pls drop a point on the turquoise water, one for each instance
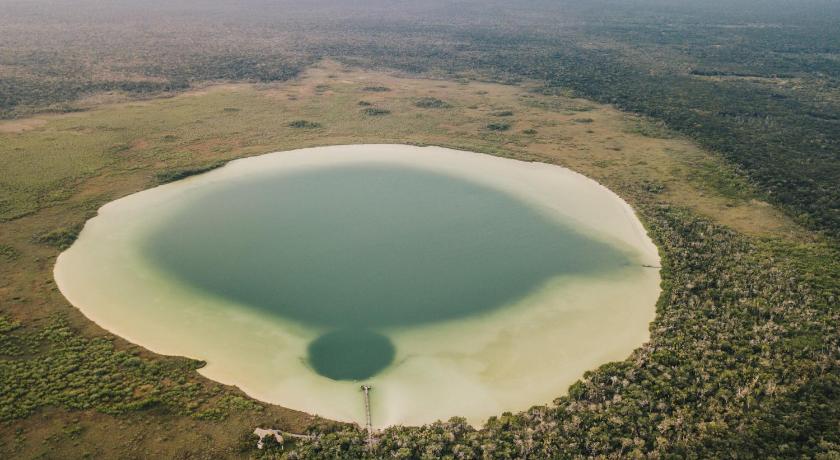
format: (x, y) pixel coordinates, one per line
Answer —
(356, 250)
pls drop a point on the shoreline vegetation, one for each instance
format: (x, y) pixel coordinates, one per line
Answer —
(745, 332)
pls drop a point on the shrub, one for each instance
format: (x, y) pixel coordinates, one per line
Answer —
(304, 124)
(60, 238)
(503, 113)
(8, 253)
(498, 126)
(374, 112)
(432, 103)
(178, 174)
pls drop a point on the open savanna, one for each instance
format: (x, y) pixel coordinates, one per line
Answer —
(71, 389)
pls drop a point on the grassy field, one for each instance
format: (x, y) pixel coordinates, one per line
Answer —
(70, 389)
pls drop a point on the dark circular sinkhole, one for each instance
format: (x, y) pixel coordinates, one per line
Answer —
(350, 354)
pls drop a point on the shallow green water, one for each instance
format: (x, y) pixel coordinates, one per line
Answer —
(356, 250)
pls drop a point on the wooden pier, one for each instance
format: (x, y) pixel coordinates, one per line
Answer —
(366, 389)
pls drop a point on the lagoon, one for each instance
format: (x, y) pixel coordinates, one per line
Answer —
(455, 283)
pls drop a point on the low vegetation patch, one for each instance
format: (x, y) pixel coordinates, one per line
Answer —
(432, 103)
(650, 128)
(119, 148)
(375, 112)
(499, 126)
(652, 186)
(61, 238)
(503, 113)
(304, 124)
(376, 89)
(8, 253)
(178, 174)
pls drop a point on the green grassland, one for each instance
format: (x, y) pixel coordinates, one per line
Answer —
(745, 332)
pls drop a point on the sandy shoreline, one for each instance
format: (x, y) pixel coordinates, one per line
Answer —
(473, 367)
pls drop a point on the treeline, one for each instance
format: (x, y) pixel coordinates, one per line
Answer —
(42, 88)
(257, 66)
(20, 95)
